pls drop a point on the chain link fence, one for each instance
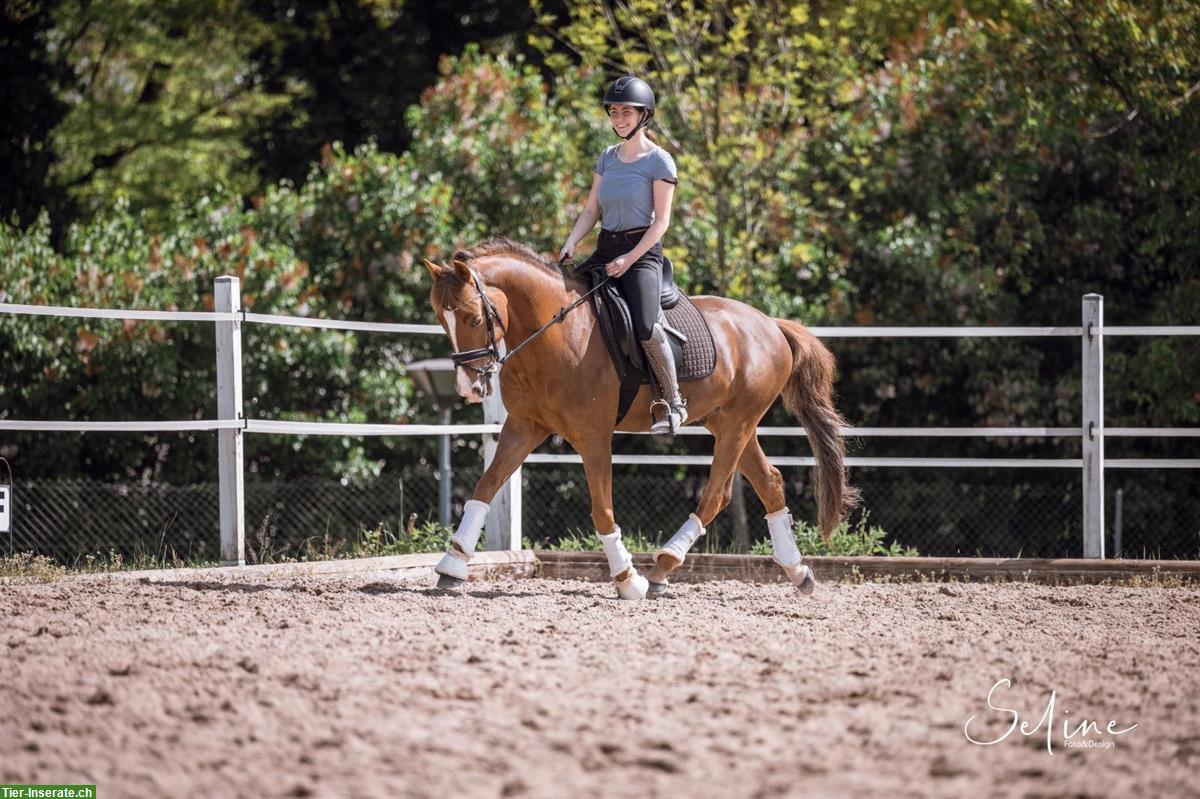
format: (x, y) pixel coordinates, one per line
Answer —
(960, 512)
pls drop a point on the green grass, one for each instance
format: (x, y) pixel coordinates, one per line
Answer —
(861, 539)
(581, 541)
(30, 566)
(429, 537)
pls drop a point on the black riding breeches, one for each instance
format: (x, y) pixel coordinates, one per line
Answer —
(642, 282)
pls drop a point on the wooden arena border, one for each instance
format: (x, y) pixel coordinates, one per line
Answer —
(485, 565)
(591, 566)
(761, 569)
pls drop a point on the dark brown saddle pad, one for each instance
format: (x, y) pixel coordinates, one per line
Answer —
(695, 354)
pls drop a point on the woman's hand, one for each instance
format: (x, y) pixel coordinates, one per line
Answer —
(618, 266)
(567, 251)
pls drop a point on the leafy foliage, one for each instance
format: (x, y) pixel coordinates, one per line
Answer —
(162, 100)
(868, 162)
(582, 541)
(861, 539)
(345, 245)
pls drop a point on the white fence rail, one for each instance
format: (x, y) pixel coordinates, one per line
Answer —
(504, 524)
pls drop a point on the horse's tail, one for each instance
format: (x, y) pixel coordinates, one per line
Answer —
(808, 395)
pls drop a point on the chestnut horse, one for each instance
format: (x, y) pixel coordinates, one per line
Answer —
(499, 294)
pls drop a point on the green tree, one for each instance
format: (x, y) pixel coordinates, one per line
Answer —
(507, 152)
(162, 99)
(362, 64)
(1017, 163)
(743, 87)
(347, 244)
(31, 81)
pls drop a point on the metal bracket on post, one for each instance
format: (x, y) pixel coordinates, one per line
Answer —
(503, 530)
(6, 502)
(228, 299)
(1093, 421)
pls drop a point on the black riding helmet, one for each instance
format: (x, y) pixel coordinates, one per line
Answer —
(631, 91)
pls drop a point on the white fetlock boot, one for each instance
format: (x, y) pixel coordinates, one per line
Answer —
(453, 565)
(632, 585)
(787, 554)
(677, 548)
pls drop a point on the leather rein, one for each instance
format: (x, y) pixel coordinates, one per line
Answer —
(492, 317)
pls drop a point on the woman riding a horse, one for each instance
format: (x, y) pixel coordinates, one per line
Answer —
(632, 188)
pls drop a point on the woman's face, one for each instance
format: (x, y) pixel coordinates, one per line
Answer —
(624, 118)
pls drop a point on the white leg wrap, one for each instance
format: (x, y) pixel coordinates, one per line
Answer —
(683, 540)
(619, 560)
(618, 556)
(454, 562)
(471, 525)
(783, 538)
(787, 554)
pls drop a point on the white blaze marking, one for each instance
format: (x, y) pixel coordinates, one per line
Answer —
(462, 381)
(448, 315)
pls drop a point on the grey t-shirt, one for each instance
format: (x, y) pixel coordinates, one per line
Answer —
(627, 190)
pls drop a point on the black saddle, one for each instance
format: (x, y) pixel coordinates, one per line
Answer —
(687, 331)
(669, 294)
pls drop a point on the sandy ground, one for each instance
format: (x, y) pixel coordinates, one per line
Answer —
(372, 686)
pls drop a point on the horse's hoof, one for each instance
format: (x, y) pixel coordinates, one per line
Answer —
(448, 583)
(802, 577)
(633, 587)
(656, 590)
(807, 582)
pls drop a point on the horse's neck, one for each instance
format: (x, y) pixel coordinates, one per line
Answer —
(534, 296)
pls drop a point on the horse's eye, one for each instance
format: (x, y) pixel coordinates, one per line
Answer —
(476, 321)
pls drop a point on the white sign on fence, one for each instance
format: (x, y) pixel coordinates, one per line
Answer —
(5, 508)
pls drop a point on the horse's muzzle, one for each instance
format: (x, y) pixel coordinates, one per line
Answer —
(473, 391)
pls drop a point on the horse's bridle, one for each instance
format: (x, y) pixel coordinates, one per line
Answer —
(492, 317)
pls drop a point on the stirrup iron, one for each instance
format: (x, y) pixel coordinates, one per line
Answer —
(669, 419)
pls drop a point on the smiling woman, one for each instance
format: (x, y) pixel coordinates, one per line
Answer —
(632, 191)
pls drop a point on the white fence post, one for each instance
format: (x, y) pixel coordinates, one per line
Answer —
(228, 299)
(1093, 426)
(503, 529)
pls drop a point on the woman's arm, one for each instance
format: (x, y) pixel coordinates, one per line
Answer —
(664, 193)
(587, 219)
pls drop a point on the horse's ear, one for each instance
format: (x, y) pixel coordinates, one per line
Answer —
(461, 270)
(434, 269)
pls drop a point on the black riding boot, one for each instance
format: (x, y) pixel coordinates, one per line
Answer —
(662, 364)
